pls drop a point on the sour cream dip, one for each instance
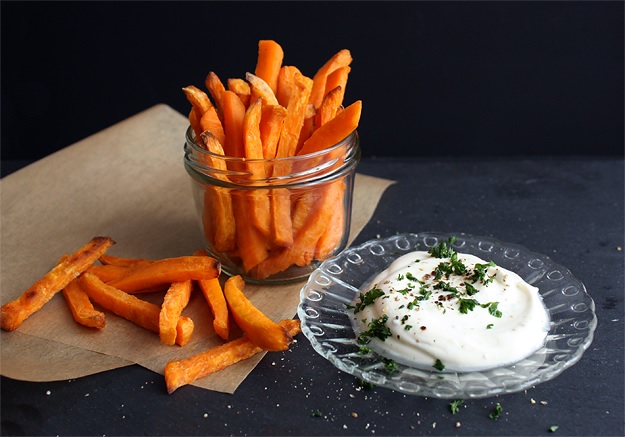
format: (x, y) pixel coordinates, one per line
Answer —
(450, 311)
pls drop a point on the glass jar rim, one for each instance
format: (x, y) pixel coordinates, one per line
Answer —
(308, 169)
(191, 140)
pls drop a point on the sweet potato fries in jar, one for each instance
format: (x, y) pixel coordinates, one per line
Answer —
(272, 158)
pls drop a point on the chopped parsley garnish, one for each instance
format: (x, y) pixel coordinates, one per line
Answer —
(467, 305)
(446, 286)
(457, 266)
(494, 415)
(366, 299)
(414, 303)
(443, 269)
(438, 365)
(489, 326)
(553, 428)
(442, 250)
(454, 405)
(471, 290)
(492, 309)
(377, 328)
(365, 384)
(479, 273)
(363, 350)
(411, 277)
(389, 365)
(317, 413)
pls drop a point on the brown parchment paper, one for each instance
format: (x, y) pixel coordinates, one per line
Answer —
(127, 182)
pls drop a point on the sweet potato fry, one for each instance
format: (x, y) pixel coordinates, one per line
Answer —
(281, 224)
(107, 272)
(241, 88)
(261, 330)
(184, 330)
(251, 243)
(270, 57)
(181, 372)
(211, 122)
(300, 87)
(13, 313)
(198, 98)
(81, 307)
(131, 308)
(253, 145)
(217, 213)
(120, 261)
(214, 295)
(233, 114)
(329, 107)
(176, 299)
(334, 231)
(271, 122)
(194, 121)
(167, 271)
(338, 78)
(334, 130)
(307, 127)
(261, 90)
(216, 88)
(341, 59)
(257, 200)
(303, 249)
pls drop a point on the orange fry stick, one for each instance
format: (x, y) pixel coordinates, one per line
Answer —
(108, 272)
(184, 330)
(333, 234)
(241, 88)
(271, 122)
(168, 271)
(13, 313)
(251, 243)
(300, 87)
(261, 90)
(341, 59)
(261, 330)
(251, 134)
(334, 130)
(307, 127)
(302, 251)
(131, 308)
(270, 57)
(338, 78)
(281, 225)
(194, 121)
(233, 115)
(258, 202)
(211, 122)
(214, 295)
(198, 98)
(181, 372)
(176, 299)
(218, 214)
(81, 307)
(329, 107)
(120, 261)
(216, 88)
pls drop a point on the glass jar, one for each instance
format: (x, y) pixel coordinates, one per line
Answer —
(273, 220)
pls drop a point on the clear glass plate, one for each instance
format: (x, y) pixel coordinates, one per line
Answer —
(326, 324)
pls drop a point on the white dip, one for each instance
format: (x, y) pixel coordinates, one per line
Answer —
(416, 317)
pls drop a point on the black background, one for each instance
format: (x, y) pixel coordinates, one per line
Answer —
(439, 79)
